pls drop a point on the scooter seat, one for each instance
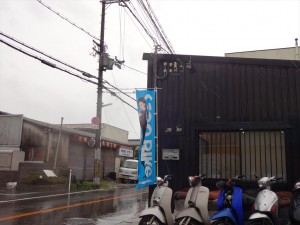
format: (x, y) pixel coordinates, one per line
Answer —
(283, 202)
(284, 198)
(213, 195)
(180, 195)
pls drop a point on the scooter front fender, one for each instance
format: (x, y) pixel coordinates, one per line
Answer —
(190, 212)
(225, 213)
(258, 215)
(155, 211)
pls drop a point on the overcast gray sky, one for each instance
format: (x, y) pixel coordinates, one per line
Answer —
(194, 27)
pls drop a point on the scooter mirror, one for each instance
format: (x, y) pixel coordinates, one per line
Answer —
(194, 180)
(297, 185)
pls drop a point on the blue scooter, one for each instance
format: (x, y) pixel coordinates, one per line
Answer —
(230, 203)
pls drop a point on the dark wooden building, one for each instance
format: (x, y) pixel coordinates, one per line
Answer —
(226, 116)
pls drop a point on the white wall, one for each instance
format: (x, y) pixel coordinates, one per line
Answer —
(281, 53)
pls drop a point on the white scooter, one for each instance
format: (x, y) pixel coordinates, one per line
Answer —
(159, 211)
(294, 211)
(195, 205)
(266, 203)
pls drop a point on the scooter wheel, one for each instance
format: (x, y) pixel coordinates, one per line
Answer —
(260, 222)
(225, 221)
(191, 222)
(147, 219)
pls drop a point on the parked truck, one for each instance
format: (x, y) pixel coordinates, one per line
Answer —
(129, 171)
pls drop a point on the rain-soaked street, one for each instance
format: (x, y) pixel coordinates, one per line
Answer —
(120, 206)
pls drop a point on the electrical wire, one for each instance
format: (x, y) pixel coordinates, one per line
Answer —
(163, 34)
(150, 24)
(125, 109)
(127, 92)
(122, 33)
(146, 18)
(139, 30)
(46, 62)
(139, 21)
(86, 74)
(55, 66)
(66, 19)
(150, 21)
(119, 90)
(67, 71)
(64, 70)
(50, 57)
(114, 94)
(135, 69)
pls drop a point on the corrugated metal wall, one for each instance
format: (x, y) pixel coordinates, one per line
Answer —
(220, 93)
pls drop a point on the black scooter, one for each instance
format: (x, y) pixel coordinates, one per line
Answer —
(294, 211)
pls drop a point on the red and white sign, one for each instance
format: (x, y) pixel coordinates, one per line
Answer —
(95, 121)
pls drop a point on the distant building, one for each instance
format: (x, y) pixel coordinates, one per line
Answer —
(136, 145)
(115, 146)
(291, 53)
(35, 143)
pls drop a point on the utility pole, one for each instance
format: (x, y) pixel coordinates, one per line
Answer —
(58, 142)
(99, 101)
(105, 63)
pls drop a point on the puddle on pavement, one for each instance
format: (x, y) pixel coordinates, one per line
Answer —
(113, 212)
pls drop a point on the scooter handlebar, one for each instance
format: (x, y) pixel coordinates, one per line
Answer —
(168, 177)
(239, 177)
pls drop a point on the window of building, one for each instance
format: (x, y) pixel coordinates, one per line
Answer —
(226, 154)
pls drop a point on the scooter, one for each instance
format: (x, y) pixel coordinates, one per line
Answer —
(266, 203)
(294, 210)
(195, 205)
(159, 211)
(231, 203)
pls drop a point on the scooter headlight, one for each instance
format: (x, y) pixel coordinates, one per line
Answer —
(159, 181)
(229, 198)
(297, 185)
(156, 201)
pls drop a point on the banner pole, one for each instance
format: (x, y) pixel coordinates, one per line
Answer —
(156, 129)
(156, 102)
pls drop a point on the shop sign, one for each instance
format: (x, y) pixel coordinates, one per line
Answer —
(124, 151)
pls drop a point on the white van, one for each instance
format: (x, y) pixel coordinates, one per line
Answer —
(129, 171)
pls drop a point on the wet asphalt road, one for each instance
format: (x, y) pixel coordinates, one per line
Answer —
(120, 206)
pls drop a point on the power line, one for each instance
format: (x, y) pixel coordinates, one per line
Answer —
(86, 74)
(157, 24)
(155, 27)
(114, 94)
(139, 30)
(46, 62)
(135, 69)
(125, 109)
(61, 69)
(57, 60)
(119, 90)
(51, 57)
(139, 21)
(122, 35)
(65, 18)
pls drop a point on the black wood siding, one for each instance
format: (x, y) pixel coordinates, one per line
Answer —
(220, 93)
